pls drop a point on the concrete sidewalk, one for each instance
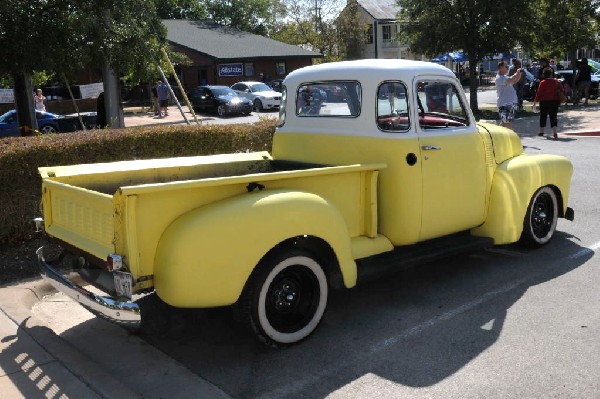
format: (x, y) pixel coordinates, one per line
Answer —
(41, 357)
(147, 118)
(571, 119)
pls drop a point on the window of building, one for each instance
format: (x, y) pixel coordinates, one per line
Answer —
(249, 69)
(329, 99)
(280, 68)
(392, 107)
(387, 33)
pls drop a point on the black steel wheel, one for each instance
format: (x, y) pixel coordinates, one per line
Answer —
(541, 218)
(284, 299)
(258, 107)
(48, 129)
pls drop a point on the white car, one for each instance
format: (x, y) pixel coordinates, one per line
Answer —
(261, 95)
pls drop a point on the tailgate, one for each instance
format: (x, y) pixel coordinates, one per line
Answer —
(80, 217)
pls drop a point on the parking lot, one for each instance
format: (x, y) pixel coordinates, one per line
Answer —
(505, 322)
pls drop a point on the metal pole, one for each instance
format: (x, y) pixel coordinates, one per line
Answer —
(185, 98)
(74, 102)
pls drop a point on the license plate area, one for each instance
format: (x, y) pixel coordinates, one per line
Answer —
(123, 284)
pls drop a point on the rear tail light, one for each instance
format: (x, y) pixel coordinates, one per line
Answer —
(114, 262)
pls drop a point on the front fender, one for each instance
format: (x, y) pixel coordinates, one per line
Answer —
(205, 257)
(514, 183)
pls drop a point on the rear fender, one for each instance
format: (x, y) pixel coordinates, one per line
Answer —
(205, 257)
(515, 181)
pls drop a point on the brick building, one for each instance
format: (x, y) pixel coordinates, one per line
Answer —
(222, 55)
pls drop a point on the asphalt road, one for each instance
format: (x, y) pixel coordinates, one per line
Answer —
(503, 323)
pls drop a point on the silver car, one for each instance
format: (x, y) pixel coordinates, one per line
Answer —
(262, 96)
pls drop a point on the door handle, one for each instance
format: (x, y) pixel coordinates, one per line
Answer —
(430, 147)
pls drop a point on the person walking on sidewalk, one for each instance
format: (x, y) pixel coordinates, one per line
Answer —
(548, 95)
(163, 99)
(507, 96)
(583, 81)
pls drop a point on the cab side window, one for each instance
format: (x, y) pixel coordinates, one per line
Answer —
(392, 107)
(440, 105)
(329, 99)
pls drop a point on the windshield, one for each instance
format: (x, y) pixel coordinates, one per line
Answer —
(6, 116)
(225, 91)
(260, 87)
(595, 65)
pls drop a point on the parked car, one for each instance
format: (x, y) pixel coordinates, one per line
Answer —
(220, 99)
(530, 86)
(567, 78)
(47, 123)
(261, 95)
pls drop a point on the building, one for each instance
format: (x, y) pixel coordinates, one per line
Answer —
(382, 27)
(222, 55)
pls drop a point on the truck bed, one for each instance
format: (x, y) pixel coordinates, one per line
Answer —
(123, 207)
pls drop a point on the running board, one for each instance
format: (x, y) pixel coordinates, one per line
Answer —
(404, 257)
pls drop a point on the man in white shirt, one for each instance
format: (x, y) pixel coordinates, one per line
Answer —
(507, 96)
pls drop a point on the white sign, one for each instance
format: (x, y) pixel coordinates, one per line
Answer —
(7, 96)
(91, 91)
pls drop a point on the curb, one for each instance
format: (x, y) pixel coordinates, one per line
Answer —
(92, 359)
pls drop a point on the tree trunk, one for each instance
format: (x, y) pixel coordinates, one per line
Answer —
(473, 84)
(24, 103)
(112, 97)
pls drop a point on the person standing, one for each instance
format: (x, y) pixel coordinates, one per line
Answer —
(163, 98)
(507, 96)
(155, 103)
(518, 86)
(548, 96)
(38, 99)
(583, 81)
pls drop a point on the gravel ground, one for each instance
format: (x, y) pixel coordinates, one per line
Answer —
(18, 261)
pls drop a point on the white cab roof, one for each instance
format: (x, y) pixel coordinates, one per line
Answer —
(370, 71)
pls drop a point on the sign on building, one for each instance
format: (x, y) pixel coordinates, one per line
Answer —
(231, 69)
(91, 90)
(7, 96)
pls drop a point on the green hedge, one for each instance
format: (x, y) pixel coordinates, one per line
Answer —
(20, 183)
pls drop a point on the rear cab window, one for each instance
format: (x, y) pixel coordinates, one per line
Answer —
(392, 107)
(329, 98)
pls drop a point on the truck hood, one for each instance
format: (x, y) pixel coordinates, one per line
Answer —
(505, 142)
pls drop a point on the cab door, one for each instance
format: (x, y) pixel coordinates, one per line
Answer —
(453, 159)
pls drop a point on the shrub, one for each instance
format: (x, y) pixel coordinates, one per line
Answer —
(20, 158)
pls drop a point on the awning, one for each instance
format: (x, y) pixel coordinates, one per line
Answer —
(457, 56)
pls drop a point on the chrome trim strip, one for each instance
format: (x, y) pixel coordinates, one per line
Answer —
(121, 312)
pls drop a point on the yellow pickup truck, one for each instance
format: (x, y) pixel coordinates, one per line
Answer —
(375, 164)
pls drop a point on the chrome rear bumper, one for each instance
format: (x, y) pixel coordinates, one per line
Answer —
(124, 313)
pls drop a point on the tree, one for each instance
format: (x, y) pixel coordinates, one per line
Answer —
(247, 15)
(180, 9)
(28, 29)
(352, 32)
(478, 27)
(65, 36)
(311, 24)
(562, 27)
